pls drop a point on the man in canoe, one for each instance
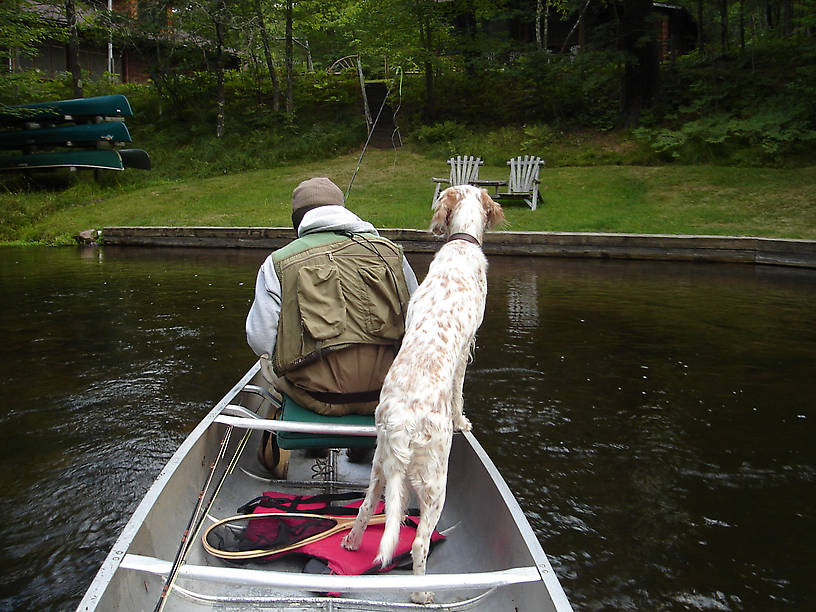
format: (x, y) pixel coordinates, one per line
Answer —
(329, 308)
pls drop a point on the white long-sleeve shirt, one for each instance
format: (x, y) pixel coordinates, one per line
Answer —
(262, 320)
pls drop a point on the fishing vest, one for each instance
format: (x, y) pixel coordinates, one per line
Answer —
(337, 291)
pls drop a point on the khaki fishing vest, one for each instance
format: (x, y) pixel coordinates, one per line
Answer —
(338, 292)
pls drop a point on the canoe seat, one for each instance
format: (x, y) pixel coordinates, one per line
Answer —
(292, 411)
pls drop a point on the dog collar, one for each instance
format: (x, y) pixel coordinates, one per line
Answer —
(465, 237)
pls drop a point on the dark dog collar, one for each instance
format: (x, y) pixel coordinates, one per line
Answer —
(465, 237)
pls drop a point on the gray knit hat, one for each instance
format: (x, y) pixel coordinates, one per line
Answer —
(318, 191)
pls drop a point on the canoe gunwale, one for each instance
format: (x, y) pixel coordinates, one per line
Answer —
(116, 555)
(546, 572)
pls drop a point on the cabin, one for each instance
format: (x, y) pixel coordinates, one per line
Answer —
(129, 57)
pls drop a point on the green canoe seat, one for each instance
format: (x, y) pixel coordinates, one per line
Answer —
(294, 412)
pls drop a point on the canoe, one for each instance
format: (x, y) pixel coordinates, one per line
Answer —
(104, 159)
(115, 105)
(490, 558)
(108, 131)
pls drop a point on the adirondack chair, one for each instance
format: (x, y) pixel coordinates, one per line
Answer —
(523, 182)
(464, 170)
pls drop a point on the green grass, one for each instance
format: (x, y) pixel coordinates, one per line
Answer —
(393, 189)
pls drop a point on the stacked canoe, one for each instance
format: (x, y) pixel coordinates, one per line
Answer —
(80, 133)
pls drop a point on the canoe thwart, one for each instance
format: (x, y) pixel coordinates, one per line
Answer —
(291, 426)
(336, 582)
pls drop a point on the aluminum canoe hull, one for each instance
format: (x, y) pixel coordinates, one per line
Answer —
(490, 559)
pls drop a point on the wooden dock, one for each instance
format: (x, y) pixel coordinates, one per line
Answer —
(661, 247)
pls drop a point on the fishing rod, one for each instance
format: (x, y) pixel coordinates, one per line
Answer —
(374, 125)
(194, 524)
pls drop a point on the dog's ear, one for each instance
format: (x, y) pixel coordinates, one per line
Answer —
(495, 214)
(442, 209)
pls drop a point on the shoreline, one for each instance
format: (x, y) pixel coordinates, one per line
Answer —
(660, 247)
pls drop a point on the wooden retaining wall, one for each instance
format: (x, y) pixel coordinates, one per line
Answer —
(733, 249)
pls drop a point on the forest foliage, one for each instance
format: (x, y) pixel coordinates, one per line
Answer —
(257, 72)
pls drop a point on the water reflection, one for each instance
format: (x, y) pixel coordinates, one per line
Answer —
(632, 415)
(654, 420)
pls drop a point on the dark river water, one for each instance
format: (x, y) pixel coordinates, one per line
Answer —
(656, 421)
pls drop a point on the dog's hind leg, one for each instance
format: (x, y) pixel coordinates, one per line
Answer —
(431, 501)
(375, 487)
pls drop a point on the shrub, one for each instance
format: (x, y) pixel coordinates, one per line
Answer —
(33, 86)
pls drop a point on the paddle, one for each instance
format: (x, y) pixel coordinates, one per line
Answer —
(249, 536)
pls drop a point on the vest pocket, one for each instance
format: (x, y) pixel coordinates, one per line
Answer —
(382, 301)
(320, 300)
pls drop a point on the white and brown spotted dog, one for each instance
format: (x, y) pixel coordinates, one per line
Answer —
(421, 398)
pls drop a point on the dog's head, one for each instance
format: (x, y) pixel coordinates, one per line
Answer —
(461, 205)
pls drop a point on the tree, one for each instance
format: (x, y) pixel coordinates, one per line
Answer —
(409, 32)
(23, 31)
(642, 71)
(219, 17)
(210, 24)
(270, 65)
(72, 48)
(288, 54)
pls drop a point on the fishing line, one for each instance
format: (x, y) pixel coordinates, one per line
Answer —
(370, 134)
(396, 131)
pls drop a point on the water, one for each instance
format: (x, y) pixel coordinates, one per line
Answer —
(654, 420)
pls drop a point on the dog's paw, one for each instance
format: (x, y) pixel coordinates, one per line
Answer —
(462, 424)
(422, 597)
(351, 541)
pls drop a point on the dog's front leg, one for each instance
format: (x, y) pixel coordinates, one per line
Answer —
(460, 421)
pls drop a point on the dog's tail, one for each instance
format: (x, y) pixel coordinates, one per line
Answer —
(395, 501)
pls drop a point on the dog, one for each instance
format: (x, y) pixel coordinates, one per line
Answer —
(421, 399)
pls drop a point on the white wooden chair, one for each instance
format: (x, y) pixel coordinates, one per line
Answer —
(464, 170)
(523, 182)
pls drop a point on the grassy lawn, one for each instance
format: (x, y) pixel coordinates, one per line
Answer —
(393, 189)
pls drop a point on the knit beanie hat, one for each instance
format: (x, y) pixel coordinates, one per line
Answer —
(318, 191)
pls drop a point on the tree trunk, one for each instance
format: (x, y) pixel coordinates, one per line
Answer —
(72, 48)
(539, 11)
(642, 73)
(700, 35)
(787, 17)
(270, 66)
(724, 25)
(219, 17)
(425, 40)
(575, 27)
(288, 52)
(547, 25)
